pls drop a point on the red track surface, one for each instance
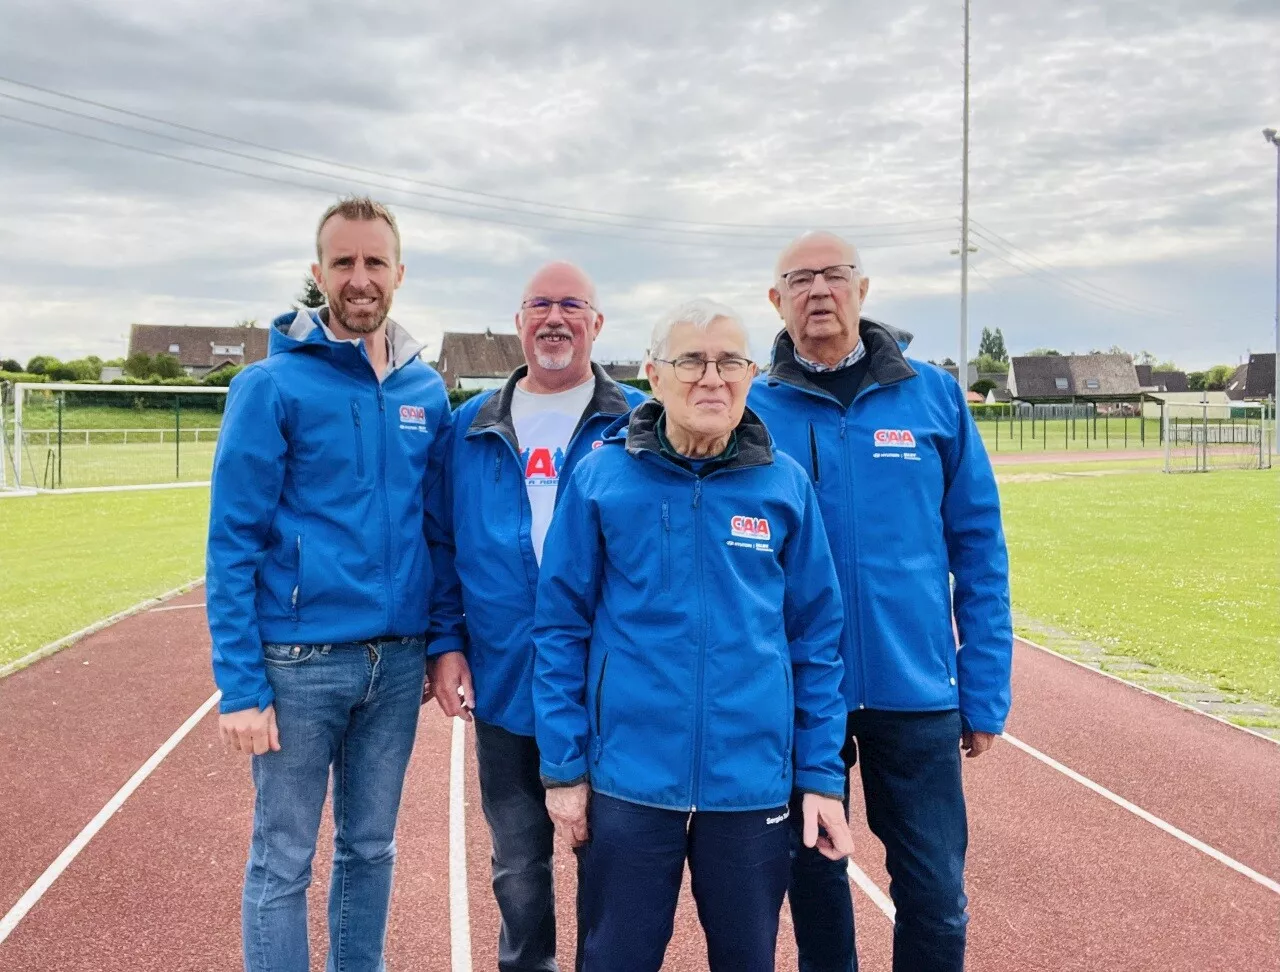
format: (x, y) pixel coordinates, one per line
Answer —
(1059, 877)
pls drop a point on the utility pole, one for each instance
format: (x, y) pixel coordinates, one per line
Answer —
(1270, 135)
(962, 369)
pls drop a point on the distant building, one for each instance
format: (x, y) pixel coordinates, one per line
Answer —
(200, 350)
(1065, 378)
(1160, 381)
(1254, 381)
(479, 359)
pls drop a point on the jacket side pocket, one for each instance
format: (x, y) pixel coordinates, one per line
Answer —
(355, 418)
(666, 545)
(604, 665)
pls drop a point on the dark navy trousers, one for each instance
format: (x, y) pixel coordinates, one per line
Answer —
(910, 763)
(632, 869)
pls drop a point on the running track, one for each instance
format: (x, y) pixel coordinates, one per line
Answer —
(1060, 877)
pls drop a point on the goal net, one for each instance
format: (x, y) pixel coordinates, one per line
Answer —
(1204, 436)
(61, 436)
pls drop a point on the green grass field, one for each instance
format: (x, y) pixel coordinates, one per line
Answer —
(137, 464)
(195, 415)
(1056, 435)
(72, 560)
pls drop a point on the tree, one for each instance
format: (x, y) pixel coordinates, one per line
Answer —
(1165, 366)
(247, 323)
(9, 364)
(992, 346)
(986, 364)
(139, 365)
(41, 364)
(1195, 380)
(82, 369)
(167, 366)
(222, 377)
(1043, 352)
(311, 294)
(947, 362)
(1144, 358)
(982, 386)
(1216, 378)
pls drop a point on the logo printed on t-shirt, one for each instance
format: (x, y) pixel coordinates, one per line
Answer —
(542, 466)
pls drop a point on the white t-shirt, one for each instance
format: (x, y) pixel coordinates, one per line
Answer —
(544, 424)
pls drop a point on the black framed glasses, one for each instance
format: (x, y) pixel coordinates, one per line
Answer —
(690, 368)
(838, 277)
(540, 307)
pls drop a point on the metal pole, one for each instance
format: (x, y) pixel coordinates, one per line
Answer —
(61, 403)
(177, 438)
(1270, 135)
(963, 370)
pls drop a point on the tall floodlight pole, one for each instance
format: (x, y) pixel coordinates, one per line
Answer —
(1270, 135)
(962, 367)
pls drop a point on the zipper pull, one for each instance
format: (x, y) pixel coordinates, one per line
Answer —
(666, 517)
(382, 402)
(497, 467)
(842, 422)
(697, 492)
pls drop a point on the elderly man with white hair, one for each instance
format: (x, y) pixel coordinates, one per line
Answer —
(687, 672)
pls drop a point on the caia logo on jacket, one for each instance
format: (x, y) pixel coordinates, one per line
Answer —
(749, 527)
(413, 413)
(895, 437)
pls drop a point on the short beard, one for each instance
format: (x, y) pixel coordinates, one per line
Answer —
(548, 363)
(360, 325)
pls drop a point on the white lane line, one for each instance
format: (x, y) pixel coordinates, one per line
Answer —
(1150, 818)
(459, 909)
(75, 636)
(176, 607)
(869, 888)
(34, 893)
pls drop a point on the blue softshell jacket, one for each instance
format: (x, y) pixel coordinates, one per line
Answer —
(910, 505)
(494, 578)
(326, 511)
(688, 628)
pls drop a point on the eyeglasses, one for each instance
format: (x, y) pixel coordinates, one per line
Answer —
(690, 368)
(540, 307)
(838, 277)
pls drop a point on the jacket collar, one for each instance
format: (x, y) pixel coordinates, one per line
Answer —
(755, 445)
(886, 364)
(495, 414)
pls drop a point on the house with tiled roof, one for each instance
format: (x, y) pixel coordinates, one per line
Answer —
(1254, 381)
(480, 359)
(200, 350)
(1066, 378)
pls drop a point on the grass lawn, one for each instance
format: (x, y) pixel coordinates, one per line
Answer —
(38, 414)
(1179, 571)
(1056, 435)
(72, 560)
(107, 464)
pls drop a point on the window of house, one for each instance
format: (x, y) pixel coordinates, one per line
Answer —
(1091, 383)
(1060, 383)
(236, 350)
(173, 349)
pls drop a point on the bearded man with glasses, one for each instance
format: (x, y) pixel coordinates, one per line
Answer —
(508, 453)
(910, 505)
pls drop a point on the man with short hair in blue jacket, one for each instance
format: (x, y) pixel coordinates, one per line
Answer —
(510, 453)
(911, 509)
(325, 530)
(687, 678)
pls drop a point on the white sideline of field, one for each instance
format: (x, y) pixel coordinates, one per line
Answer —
(71, 639)
(459, 905)
(45, 881)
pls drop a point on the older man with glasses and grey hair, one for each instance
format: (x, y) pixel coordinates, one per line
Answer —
(510, 450)
(687, 676)
(911, 509)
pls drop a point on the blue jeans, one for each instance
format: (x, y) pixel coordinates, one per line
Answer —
(915, 804)
(515, 808)
(352, 708)
(632, 868)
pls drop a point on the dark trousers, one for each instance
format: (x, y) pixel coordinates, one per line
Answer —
(910, 763)
(632, 869)
(515, 809)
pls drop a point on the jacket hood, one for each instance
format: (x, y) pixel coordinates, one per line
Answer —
(309, 327)
(886, 362)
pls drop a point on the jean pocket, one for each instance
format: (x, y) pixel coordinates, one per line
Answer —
(286, 656)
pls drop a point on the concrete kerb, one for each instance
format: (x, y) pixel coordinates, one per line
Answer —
(56, 646)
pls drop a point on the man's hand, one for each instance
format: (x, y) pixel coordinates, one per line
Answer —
(828, 813)
(428, 690)
(451, 679)
(250, 731)
(975, 743)
(567, 808)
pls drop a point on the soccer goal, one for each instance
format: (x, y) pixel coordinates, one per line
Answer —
(1204, 436)
(69, 436)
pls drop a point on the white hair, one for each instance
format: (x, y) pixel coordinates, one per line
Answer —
(700, 312)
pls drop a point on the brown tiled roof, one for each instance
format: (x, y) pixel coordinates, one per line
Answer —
(478, 355)
(1260, 380)
(1144, 375)
(622, 369)
(1038, 377)
(195, 344)
(1169, 381)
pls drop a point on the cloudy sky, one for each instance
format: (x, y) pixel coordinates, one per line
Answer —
(1122, 192)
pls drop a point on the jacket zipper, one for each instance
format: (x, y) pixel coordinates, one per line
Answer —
(297, 587)
(813, 454)
(600, 708)
(852, 571)
(355, 417)
(702, 644)
(666, 546)
(791, 720)
(386, 512)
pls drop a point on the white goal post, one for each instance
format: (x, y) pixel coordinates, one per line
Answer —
(108, 436)
(1207, 435)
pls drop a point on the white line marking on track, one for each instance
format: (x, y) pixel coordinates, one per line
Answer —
(869, 888)
(34, 893)
(459, 909)
(176, 607)
(1150, 818)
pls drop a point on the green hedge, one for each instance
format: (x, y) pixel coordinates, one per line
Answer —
(17, 376)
